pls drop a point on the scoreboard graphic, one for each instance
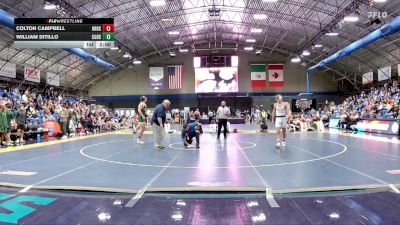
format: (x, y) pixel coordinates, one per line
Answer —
(64, 33)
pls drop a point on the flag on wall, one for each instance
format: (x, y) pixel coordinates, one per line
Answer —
(53, 79)
(174, 77)
(368, 78)
(275, 75)
(8, 69)
(258, 76)
(156, 78)
(384, 73)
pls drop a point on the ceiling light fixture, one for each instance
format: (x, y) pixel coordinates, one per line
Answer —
(255, 30)
(260, 16)
(251, 40)
(173, 32)
(332, 34)
(183, 50)
(178, 42)
(127, 55)
(318, 45)
(351, 18)
(137, 61)
(156, 3)
(295, 60)
(49, 6)
(249, 48)
(167, 20)
(306, 53)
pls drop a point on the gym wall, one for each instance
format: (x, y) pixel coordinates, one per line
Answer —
(136, 82)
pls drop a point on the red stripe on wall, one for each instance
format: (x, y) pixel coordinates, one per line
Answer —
(275, 67)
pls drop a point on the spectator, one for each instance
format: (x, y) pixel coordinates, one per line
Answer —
(64, 121)
(3, 122)
(20, 117)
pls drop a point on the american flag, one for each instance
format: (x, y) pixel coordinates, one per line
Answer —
(175, 77)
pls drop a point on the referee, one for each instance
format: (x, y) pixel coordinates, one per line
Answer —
(223, 113)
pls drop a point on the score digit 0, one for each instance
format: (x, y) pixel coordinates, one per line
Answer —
(108, 27)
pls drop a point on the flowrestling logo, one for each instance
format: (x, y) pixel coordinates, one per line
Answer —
(16, 207)
(377, 15)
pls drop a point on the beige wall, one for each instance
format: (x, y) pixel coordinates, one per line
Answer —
(136, 82)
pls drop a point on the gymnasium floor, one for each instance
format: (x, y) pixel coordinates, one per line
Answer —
(244, 162)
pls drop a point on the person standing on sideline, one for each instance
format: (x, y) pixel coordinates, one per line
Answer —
(10, 118)
(142, 118)
(210, 116)
(20, 117)
(158, 121)
(223, 113)
(64, 121)
(280, 115)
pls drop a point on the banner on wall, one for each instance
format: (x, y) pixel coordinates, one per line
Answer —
(398, 70)
(156, 77)
(384, 73)
(31, 74)
(8, 69)
(368, 77)
(258, 76)
(275, 75)
(53, 79)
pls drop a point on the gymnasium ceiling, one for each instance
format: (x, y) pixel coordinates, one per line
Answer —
(142, 30)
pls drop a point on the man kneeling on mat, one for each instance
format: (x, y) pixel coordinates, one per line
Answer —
(190, 131)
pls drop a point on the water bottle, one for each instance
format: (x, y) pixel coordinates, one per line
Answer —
(39, 138)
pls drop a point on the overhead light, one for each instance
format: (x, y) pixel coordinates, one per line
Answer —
(258, 52)
(249, 48)
(114, 48)
(332, 34)
(306, 53)
(127, 55)
(172, 54)
(255, 30)
(173, 32)
(295, 60)
(183, 50)
(318, 45)
(260, 16)
(49, 6)
(156, 3)
(137, 61)
(167, 20)
(178, 42)
(351, 18)
(251, 40)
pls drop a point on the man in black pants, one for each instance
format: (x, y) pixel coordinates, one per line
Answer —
(223, 113)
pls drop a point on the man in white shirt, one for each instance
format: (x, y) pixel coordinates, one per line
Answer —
(223, 113)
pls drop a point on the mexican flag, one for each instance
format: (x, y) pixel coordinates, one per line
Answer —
(258, 76)
(275, 74)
